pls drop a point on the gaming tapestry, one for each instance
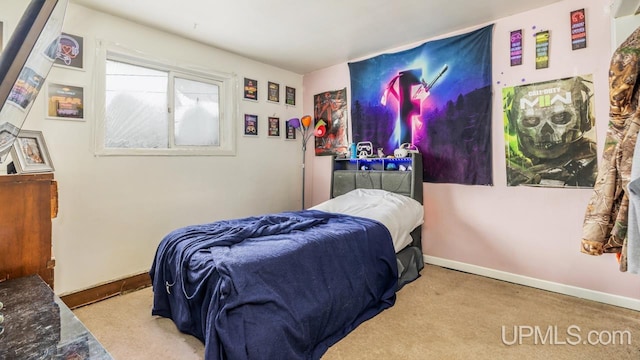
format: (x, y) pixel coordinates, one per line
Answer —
(549, 133)
(436, 97)
(330, 114)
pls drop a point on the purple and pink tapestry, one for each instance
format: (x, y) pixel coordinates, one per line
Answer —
(437, 97)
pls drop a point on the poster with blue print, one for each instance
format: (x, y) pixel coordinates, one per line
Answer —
(436, 97)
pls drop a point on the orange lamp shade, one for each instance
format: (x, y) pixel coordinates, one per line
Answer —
(305, 120)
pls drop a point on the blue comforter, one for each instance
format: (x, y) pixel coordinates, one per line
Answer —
(279, 286)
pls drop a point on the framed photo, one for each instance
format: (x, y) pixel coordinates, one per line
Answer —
(274, 126)
(273, 92)
(250, 125)
(250, 90)
(65, 102)
(30, 153)
(290, 96)
(290, 131)
(70, 52)
(8, 134)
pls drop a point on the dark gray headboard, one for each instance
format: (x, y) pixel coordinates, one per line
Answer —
(379, 174)
(385, 174)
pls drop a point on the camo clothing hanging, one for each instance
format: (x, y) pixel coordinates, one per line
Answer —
(606, 219)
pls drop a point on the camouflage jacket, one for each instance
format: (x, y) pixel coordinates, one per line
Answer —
(606, 218)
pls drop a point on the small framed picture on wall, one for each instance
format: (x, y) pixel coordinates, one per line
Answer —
(274, 126)
(273, 92)
(542, 49)
(250, 125)
(290, 133)
(578, 30)
(70, 51)
(290, 96)
(65, 102)
(250, 89)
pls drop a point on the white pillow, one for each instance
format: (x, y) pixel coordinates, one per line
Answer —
(399, 213)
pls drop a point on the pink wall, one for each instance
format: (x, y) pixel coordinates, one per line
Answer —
(529, 232)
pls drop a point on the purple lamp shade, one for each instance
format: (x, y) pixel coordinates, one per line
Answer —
(295, 122)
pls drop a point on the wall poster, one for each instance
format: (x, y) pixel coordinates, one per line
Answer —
(549, 133)
(274, 126)
(330, 111)
(290, 96)
(273, 91)
(70, 51)
(542, 49)
(433, 98)
(250, 89)
(250, 125)
(578, 30)
(65, 102)
(290, 131)
(515, 39)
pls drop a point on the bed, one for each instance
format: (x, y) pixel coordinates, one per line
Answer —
(289, 285)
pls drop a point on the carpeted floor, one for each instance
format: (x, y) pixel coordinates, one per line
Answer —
(445, 314)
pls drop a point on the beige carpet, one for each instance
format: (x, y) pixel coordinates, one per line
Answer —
(445, 314)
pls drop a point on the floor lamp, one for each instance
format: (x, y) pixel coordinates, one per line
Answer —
(303, 126)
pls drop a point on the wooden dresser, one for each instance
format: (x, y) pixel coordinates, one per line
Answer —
(28, 202)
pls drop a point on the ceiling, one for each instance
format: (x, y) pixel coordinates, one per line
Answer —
(307, 35)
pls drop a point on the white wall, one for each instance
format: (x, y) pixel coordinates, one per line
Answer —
(529, 232)
(624, 20)
(623, 27)
(113, 211)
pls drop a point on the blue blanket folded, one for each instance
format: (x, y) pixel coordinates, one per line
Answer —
(279, 286)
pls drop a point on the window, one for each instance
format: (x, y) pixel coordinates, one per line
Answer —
(197, 113)
(154, 109)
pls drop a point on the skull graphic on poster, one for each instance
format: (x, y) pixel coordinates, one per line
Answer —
(548, 131)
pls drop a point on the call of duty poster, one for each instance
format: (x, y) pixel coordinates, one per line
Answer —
(549, 133)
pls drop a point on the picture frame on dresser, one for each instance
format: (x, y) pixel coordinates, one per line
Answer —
(30, 153)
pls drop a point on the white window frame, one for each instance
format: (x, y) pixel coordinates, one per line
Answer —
(228, 105)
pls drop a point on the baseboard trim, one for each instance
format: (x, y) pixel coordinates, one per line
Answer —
(105, 291)
(583, 293)
(140, 281)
